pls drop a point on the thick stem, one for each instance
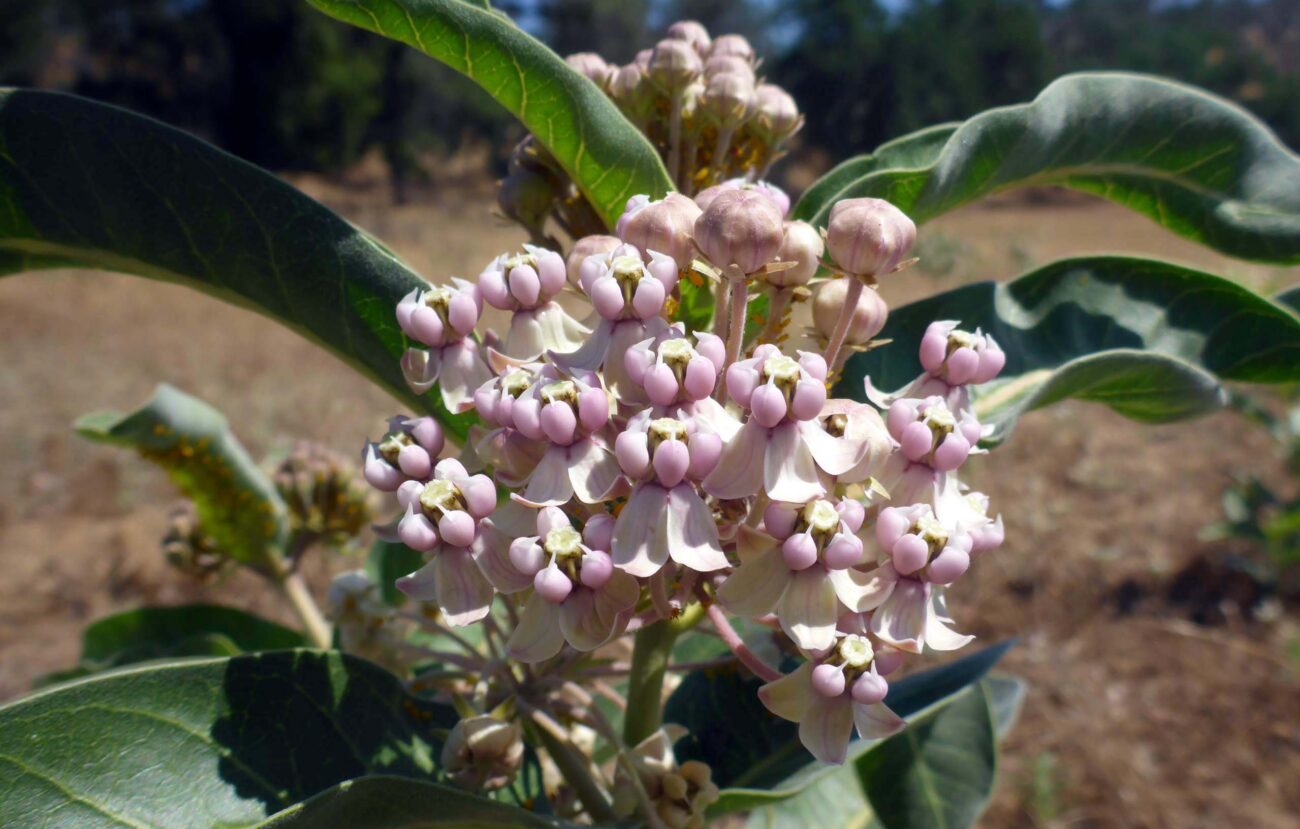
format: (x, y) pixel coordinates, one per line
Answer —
(737, 645)
(841, 330)
(736, 309)
(652, 647)
(675, 139)
(778, 302)
(295, 590)
(720, 293)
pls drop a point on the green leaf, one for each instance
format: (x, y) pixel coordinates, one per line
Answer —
(87, 185)
(756, 757)
(237, 504)
(939, 771)
(200, 743)
(1150, 339)
(189, 630)
(838, 800)
(389, 561)
(605, 155)
(1197, 164)
(396, 803)
(1290, 298)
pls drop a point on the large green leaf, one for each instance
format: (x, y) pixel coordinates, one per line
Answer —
(1150, 339)
(237, 504)
(756, 757)
(189, 630)
(208, 742)
(1200, 166)
(88, 185)
(939, 772)
(399, 803)
(605, 155)
(838, 800)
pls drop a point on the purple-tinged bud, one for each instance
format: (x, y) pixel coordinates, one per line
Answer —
(457, 528)
(868, 317)
(779, 520)
(949, 564)
(596, 570)
(733, 45)
(843, 550)
(585, 247)
(598, 534)
(642, 58)
(441, 315)
(803, 245)
(959, 357)
(407, 452)
(483, 753)
(631, 90)
(693, 32)
(527, 280)
(673, 65)
(728, 99)
(929, 432)
(552, 584)
(776, 116)
(910, 554)
(868, 237)
(828, 680)
(671, 460)
(799, 551)
(591, 65)
(706, 451)
(728, 65)
(869, 689)
(527, 556)
(742, 228)
(705, 197)
(666, 226)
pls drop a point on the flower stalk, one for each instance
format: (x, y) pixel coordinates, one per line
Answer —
(652, 648)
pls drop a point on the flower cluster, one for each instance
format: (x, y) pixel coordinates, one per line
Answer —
(627, 467)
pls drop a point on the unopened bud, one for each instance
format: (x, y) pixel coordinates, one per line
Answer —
(693, 32)
(868, 318)
(733, 45)
(869, 237)
(802, 245)
(483, 753)
(629, 89)
(776, 117)
(666, 226)
(588, 246)
(728, 64)
(673, 65)
(740, 227)
(727, 99)
(593, 66)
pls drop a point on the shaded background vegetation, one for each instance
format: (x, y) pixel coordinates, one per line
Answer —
(289, 89)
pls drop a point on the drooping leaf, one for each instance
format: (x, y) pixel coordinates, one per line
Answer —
(237, 504)
(1150, 339)
(208, 742)
(756, 757)
(398, 803)
(88, 185)
(387, 562)
(839, 801)
(188, 630)
(1197, 164)
(939, 771)
(605, 155)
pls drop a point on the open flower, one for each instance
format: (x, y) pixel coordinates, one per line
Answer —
(407, 453)
(952, 360)
(829, 696)
(443, 319)
(912, 614)
(665, 515)
(808, 573)
(525, 284)
(578, 595)
(567, 411)
(781, 449)
(442, 521)
(921, 546)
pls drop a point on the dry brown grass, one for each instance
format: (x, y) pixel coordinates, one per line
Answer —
(1132, 719)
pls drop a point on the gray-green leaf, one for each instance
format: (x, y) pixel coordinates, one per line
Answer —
(605, 155)
(1150, 339)
(200, 743)
(237, 504)
(87, 185)
(1197, 164)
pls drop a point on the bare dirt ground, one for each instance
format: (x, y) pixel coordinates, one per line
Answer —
(1135, 716)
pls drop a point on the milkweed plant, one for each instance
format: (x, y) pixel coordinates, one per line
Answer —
(673, 522)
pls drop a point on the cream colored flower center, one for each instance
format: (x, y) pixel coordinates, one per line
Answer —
(518, 259)
(516, 382)
(564, 391)
(782, 369)
(563, 542)
(836, 425)
(856, 652)
(438, 298)
(676, 352)
(932, 532)
(440, 496)
(391, 446)
(821, 517)
(958, 338)
(665, 428)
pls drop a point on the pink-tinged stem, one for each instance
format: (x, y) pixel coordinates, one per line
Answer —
(675, 140)
(736, 308)
(778, 302)
(737, 645)
(841, 330)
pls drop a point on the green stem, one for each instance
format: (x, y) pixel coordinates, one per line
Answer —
(577, 773)
(291, 584)
(651, 650)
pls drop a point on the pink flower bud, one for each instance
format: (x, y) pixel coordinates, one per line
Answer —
(799, 551)
(527, 556)
(671, 460)
(591, 65)
(711, 347)
(777, 116)
(607, 298)
(988, 536)
(828, 680)
(457, 528)
(593, 408)
(666, 226)
(734, 45)
(951, 562)
(727, 99)
(661, 384)
(706, 450)
(779, 520)
(963, 363)
(648, 300)
(768, 405)
(916, 442)
(910, 554)
(700, 377)
(843, 550)
(552, 585)
(633, 453)
(728, 65)
(952, 453)
(852, 513)
(869, 689)
(559, 423)
(586, 247)
(379, 473)
(629, 88)
(408, 492)
(868, 317)
(901, 413)
(673, 65)
(740, 227)
(598, 534)
(417, 532)
(480, 495)
(596, 569)
(869, 237)
(525, 285)
(891, 525)
(742, 380)
(693, 32)
(808, 399)
(414, 461)
(801, 244)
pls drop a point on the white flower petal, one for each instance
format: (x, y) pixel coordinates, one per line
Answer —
(789, 472)
(861, 590)
(460, 589)
(739, 473)
(835, 456)
(549, 484)
(594, 473)
(901, 619)
(538, 636)
(876, 722)
(790, 696)
(809, 609)
(463, 371)
(692, 533)
(640, 533)
(826, 729)
(756, 586)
